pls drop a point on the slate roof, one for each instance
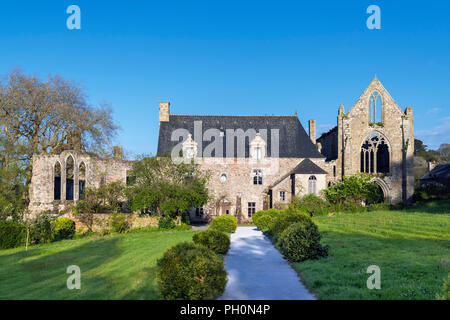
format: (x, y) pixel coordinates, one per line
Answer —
(308, 167)
(441, 171)
(294, 142)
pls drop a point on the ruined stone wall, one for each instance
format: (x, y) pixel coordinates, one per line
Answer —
(329, 143)
(396, 127)
(42, 185)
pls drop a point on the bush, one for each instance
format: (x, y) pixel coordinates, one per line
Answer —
(166, 222)
(118, 222)
(263, 218)
(286, 218)
(183, 227)
(41, 229)
(431, 191)
(225, 223)
(215, 240)
(312, 204)
(12, 234)
(63, 228)
(189, 271)
(445, 292)
(301, 241)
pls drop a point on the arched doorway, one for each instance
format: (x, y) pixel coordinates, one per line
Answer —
(383, 188)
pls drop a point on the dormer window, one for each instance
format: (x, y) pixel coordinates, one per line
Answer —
(189, 148)
(257, 148)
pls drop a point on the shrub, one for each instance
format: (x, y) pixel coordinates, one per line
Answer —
(301, 241)
(63, 228)
(215, 240)
(41, 228)
(285, 219)
(263, 218)
(166, 222)
(225, 223)
(183, 227)
(12, 234)
(118, 222)
(189, 271)
(312, 204)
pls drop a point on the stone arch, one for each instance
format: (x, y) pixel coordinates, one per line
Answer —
(70, 177)
(57, 174)
(375, 154)
(384, 187)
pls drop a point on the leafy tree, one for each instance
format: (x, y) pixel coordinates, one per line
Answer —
(354, 189)
(419, 146)
(162, 186)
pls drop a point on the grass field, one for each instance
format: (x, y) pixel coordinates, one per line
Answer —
(411, 247)
(112, 267)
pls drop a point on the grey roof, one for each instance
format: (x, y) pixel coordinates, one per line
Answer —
(308, 167)
(294, 142)
(441, 171)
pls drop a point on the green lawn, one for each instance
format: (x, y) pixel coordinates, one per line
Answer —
(112, 267)
(411, 247)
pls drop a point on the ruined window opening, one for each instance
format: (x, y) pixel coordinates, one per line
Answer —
(69, 177)
(57, 182)
(312, 182)
(81, 179)
(375, 154)
(375, 108)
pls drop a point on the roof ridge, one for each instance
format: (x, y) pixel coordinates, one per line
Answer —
(232, 115)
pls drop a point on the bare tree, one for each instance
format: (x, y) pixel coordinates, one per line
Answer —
(49, 116)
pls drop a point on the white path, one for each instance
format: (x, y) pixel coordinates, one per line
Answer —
(257, 271)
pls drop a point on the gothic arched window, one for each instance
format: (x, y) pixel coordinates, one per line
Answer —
(57, 181)
(312, 185)
(81, 179)
(70, 165)
(375, 154)
(375, 108)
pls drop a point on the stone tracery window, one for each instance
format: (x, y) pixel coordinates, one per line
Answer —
(70, 165)
(375, 154)
(375, 108)
(57, 181)
(81, 179)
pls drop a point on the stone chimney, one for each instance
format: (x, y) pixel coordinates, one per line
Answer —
(312, 130)
(118, 152)
(164, 111)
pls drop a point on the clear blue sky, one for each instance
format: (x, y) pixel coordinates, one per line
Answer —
(237, 57)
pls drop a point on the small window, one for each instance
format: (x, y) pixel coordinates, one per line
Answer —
(282, 196)
(223, 178)
(257, 176)
(312, 182)
(251, 209)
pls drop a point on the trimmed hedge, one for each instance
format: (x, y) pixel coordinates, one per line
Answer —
(225, 223)
(285, 219)
(188, 271)
(215, 240)
(264, 218)
(12, 234)
(63, 228)
(301, 241)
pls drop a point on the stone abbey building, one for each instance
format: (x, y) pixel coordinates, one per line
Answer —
(256, 162)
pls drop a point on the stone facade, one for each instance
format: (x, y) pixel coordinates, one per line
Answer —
(343, 144)
(242, 185)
